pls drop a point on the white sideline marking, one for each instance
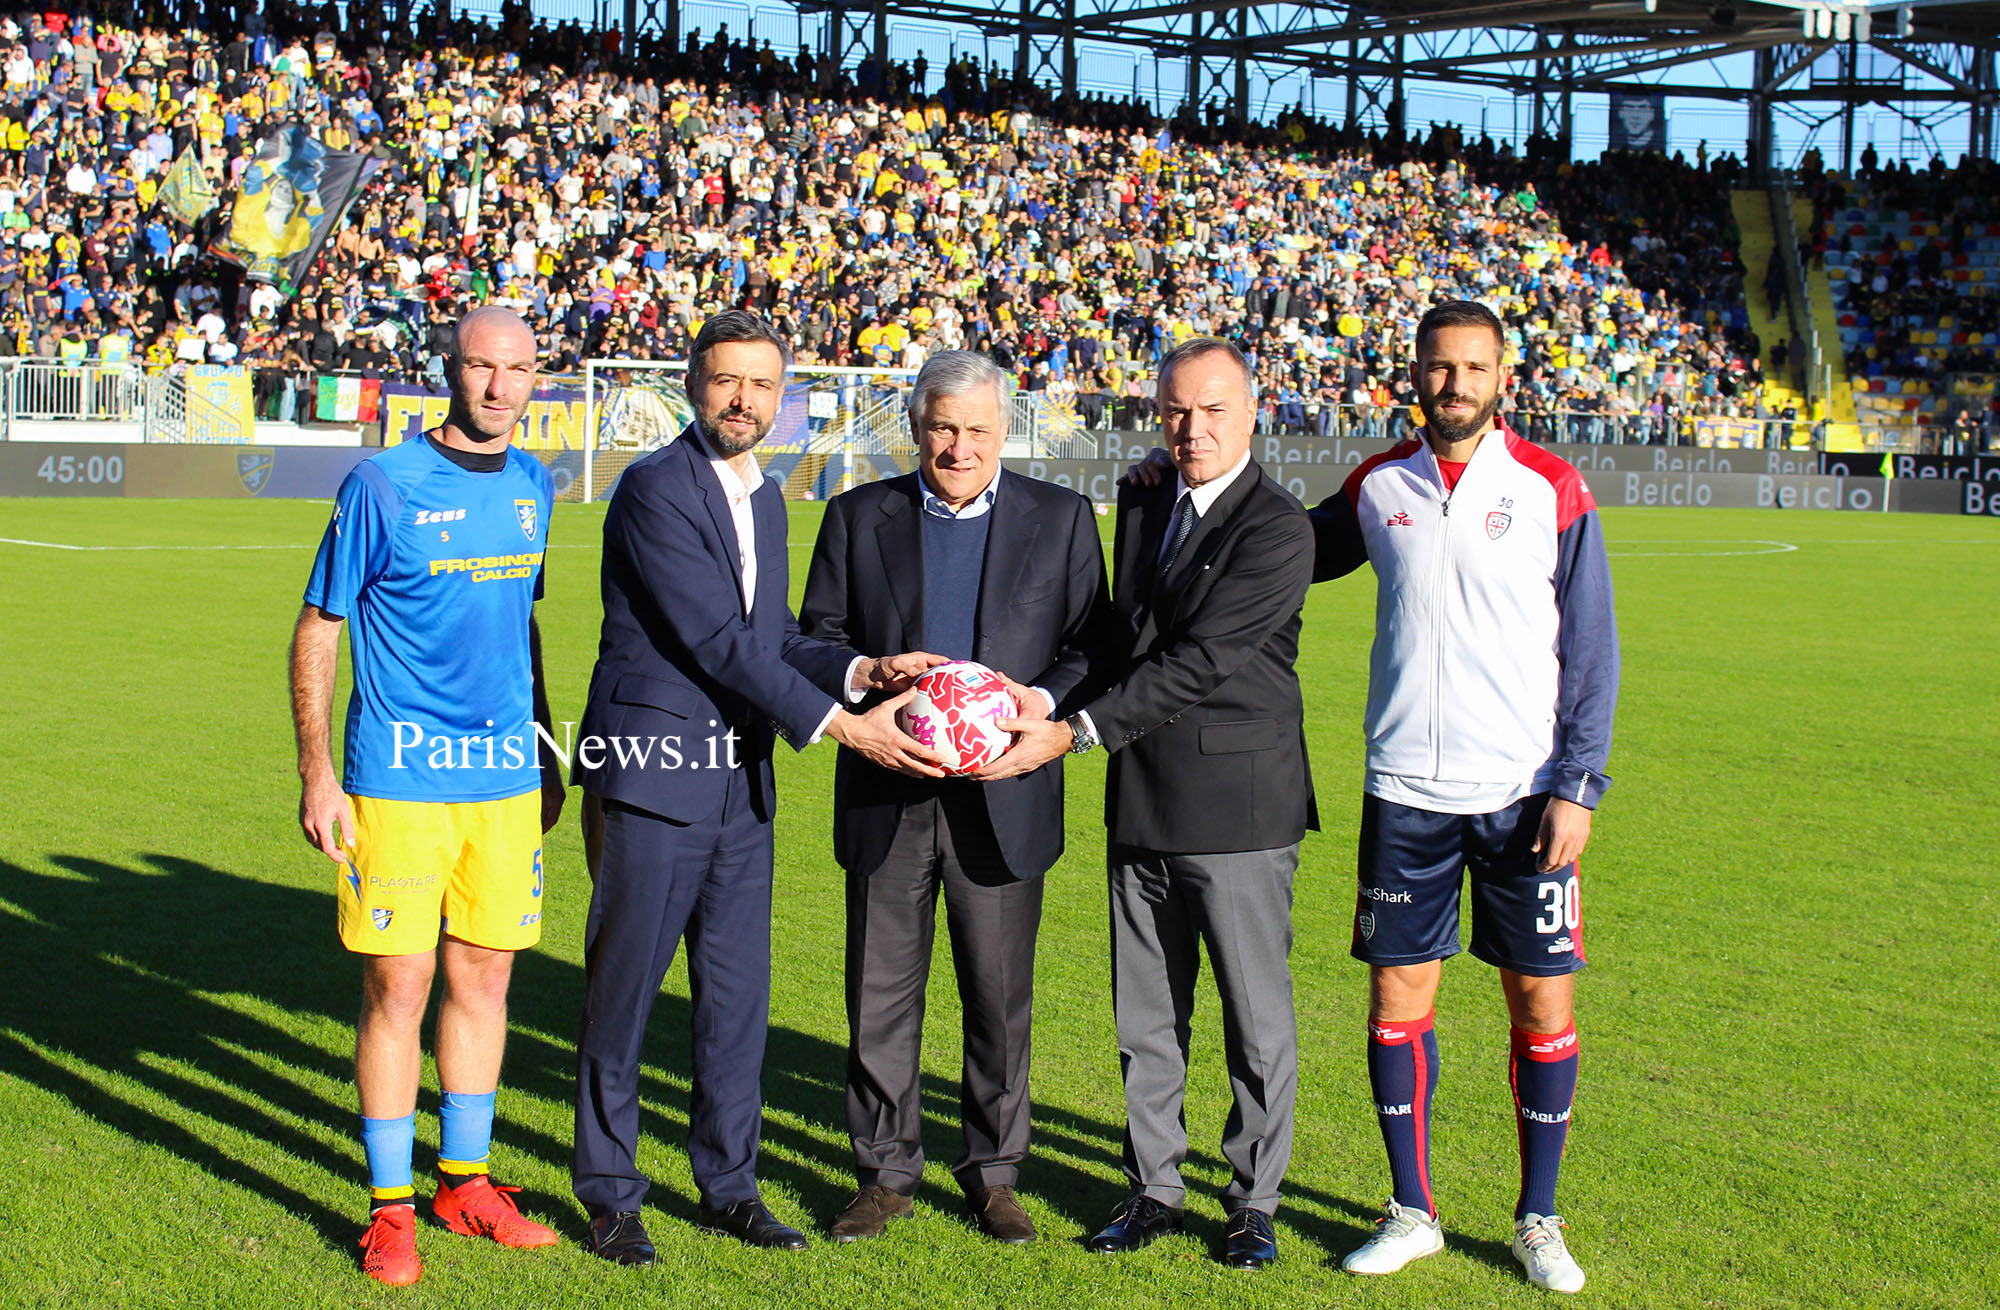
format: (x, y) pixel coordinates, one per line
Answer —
(63, 545)
(1770, 548)
(309, 545)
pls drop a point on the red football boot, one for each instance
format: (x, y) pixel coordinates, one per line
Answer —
(479, 1208)
(389, 1247)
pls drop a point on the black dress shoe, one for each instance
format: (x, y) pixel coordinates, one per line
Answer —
(750, 1222)
(1137, 1223)
(1252, 1243)
(620, 1238)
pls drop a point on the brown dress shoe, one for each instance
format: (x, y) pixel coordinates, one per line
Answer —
(999, 1215)
(869, 1213)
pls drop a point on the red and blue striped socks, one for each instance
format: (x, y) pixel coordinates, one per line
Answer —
(1542, 1070)
(1403, 1074)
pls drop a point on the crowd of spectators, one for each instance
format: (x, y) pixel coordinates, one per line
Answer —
(1915, 288)
(1922, 323)
(616, 197)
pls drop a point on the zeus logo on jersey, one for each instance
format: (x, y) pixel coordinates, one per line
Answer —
(425, 516)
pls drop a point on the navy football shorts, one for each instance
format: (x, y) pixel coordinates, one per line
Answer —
(1412, 862)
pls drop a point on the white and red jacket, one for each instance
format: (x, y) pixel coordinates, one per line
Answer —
(1495, 665)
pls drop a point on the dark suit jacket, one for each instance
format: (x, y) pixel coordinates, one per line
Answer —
(677, 654)
(1203, 715)
(1041, 593)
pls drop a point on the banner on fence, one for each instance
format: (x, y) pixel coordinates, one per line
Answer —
(554, 420)
(348, 400)
(218, 404)
(1874, 464)
(178, 471)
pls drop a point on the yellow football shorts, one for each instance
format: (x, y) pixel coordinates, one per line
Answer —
(466, 869)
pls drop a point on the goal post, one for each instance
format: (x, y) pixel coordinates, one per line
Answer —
(836, 427)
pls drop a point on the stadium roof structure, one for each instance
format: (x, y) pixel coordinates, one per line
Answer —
(1897, 55)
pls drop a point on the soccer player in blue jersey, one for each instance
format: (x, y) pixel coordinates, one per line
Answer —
(433, 563)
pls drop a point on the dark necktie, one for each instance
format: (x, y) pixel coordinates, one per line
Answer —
(1183, 526)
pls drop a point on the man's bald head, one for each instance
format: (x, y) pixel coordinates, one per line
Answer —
(488, 319)
(491, 369)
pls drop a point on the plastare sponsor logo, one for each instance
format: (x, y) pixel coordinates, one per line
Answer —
(416, 747)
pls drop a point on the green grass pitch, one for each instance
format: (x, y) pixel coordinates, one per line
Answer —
(1789, 1027)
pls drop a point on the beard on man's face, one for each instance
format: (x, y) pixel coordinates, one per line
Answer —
(733, 440)
(1450, 429)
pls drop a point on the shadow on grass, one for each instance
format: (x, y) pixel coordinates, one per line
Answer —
(127, 1008)
(126, 1005)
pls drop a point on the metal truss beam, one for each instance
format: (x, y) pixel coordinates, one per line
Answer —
(649, 17)
(1380, 95)
(1928, 60)
(1541, 50)
(1218, 78)
(856, 30)
(1985, 107)
(1045, 43)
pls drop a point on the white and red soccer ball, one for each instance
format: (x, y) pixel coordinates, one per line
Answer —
(955, 713)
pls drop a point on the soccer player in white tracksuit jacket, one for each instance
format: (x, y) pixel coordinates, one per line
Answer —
(1490, 695)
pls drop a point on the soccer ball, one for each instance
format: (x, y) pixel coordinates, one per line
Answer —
(954, 712)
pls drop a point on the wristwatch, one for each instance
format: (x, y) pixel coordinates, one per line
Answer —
(1080, 729)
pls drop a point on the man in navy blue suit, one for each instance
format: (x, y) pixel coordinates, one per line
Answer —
(701, 668)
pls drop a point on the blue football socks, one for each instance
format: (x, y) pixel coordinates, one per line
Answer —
(1543, 1072)
(1403, 1074)
(465, 1136)
(389, 1145)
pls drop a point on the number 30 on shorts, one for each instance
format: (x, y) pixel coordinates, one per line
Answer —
(1562, 906)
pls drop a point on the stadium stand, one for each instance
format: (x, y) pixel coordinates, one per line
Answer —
(1764, 302)
(617, 197)
(1913, 260)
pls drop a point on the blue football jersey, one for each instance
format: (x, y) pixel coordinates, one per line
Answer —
(436, 570)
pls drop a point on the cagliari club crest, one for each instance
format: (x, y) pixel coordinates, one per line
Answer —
(1497, 523)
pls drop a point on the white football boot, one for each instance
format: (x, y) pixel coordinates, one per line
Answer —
(1401, 1235)
(1539, 1246)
